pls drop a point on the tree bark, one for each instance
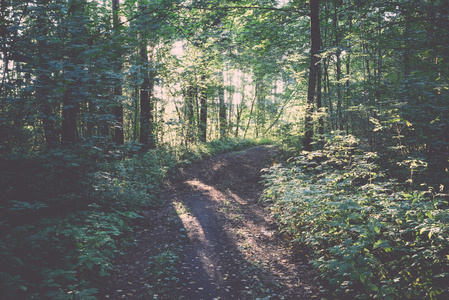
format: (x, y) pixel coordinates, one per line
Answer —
(146, 106)
(256, 89)
(348, 73)
(119, 138)
(69, 129)
(315, 38)
(190, 113)
(338, 71)
(319, 105)
(222, 107)
(146, 96)
(203, 113)
(43, 91)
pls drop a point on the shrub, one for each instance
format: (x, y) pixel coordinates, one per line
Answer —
(370, 239)
(64, 214)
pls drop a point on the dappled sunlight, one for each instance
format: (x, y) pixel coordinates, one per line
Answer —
(195, 233)
(215, 194)
(228, 193)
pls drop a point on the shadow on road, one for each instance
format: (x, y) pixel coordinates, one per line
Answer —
(230, 248)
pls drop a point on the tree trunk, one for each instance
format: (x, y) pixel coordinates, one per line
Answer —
(252, 109)
(146, 95)
(203, 113)
(146, 106)
(119, 138)
(260, 116)
(338, 71)
(222, 107)
(348, 91)
(43, 91)
(319, 105)
(315, 38)
(69, 129)
(190, 113)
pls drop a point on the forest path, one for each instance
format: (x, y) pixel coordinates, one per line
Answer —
(226, 243)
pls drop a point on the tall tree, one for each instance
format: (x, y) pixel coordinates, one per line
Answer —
(222, 105)
(202, 128)
(74, 72)
(43, 76)
(119, 138)
(146, 91)
(336, 20)
(315, 40)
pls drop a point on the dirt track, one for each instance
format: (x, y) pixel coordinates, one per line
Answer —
(228, 245)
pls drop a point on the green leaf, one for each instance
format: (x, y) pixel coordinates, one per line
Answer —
(380, 244)
(362, 278)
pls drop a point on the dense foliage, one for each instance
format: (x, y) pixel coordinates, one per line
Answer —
(100, 99)
(62, 246)
(371, 238)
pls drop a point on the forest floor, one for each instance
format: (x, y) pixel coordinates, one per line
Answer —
(212, 239)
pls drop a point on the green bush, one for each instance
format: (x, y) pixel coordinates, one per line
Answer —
(370, 239)
(64, 214)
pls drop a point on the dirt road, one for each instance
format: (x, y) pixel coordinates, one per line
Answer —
(215, 238)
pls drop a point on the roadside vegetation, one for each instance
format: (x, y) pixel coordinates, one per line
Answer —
(372, 236)
(101, 101)
(61, 246)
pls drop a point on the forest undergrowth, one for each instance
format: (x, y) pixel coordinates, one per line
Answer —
(372, 237)
(63, 219)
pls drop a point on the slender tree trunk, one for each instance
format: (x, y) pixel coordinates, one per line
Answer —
(69, 129)
(315, 38)
(43, 92)
(256, 89)
(239, 111)
(146, 106)
(222, 107)
(119, 138)
(136, 112)
(319, 105)
(230, 108)
(51, 138)
(348, 65)
(338, 71)
(327, 93)
(203, 113)
(407, 46)
(190, 113)
(260, 116)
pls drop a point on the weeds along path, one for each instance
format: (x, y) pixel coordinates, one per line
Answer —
(212, 239)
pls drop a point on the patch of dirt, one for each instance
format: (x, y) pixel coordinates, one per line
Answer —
(228, 245)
